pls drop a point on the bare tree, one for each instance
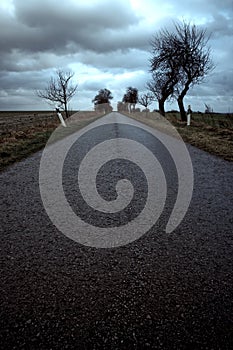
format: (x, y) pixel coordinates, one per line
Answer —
(194, 59)
(208, 109)
(103, 96)
(180, 59)
(122, 106)
(162, 88)
(102, 101)
(131, 97)
(164, 68)
(146, 99)
(60, 90)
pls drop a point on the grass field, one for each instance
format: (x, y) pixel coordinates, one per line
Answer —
(23, 133)
(211, 132)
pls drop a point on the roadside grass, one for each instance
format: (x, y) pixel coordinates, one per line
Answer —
(212, 133)
(23, 133)
(13, 149)
(26, 134)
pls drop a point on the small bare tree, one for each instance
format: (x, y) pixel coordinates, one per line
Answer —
(146, 100)
(102, 101)
(131, 97)
(60, 90)
(208, 109)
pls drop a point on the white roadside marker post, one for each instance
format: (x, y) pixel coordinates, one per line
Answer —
(189, 113)
(60, 117)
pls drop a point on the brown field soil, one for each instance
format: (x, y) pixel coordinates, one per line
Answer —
(212, 133)
(23, 133)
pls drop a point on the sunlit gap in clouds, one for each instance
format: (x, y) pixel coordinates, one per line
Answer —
(7, 6)
(152, 11)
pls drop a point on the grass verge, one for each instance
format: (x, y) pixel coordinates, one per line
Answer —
(211, 134)
(17, 144)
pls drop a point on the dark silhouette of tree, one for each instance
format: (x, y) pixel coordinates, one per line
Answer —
(102, 101)
(146, 99)
(60, 90)
(103, 96)
(162, 87)
(131, 97)
(194, 59)
(180, 59)
(164, 68)
(122, 107)
(208, 109)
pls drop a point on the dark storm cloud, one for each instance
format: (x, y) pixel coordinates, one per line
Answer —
(216, 15)
(47, 26)
(120, 60)
(93, 85)
(223, 82)
(48, 13)
(220, 26)
(200, 7)
(106, 43)
(26, 80)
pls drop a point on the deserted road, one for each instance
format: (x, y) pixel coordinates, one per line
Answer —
(161, 291)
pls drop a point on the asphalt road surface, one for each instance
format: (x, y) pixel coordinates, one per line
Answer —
(161, 291)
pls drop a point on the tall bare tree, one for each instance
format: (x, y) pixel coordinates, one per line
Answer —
(60, 89)
(180, 59)
(164, 68)
(194, 59)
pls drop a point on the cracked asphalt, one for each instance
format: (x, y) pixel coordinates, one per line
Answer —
(162, 291)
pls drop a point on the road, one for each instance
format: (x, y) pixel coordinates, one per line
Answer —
(161, 291)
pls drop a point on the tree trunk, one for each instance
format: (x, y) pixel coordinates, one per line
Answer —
(182, 110)
(180, 101)
(161, 107)
(66, 110)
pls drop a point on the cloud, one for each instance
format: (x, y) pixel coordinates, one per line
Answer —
(96, 15)
(44, 26)
(117, 61)
(106, 44)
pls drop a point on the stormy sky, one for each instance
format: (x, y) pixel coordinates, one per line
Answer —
(106, 44)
